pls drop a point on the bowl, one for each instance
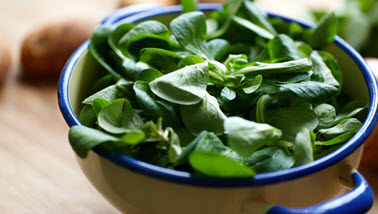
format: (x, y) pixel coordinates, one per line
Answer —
(136, 187)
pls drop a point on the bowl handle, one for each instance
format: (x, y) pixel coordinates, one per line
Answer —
(359, 200)
(129, 11)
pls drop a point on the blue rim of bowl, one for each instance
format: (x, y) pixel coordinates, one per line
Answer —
(259, 179)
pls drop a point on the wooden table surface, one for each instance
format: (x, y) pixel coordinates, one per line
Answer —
(38, 172)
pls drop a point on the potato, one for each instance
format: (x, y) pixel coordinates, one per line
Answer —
(5, 59)
(371, 145)
(45, 51)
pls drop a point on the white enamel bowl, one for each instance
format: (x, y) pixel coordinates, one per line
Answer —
(135, 187)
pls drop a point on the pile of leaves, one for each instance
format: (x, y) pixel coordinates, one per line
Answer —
(230, 95)
(357, 24)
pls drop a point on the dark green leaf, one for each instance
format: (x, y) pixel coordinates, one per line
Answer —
(104, 54)
(165, 61)
(246, 137)
(117, 34)
(311, 91)
(324, 32)
(183, 157)
(174, 150)
(253, 28)
(119, 117)
(339, 139)
(146, 27)
(152, 108)
(229, 10)
(282, 48)
(102, 83)
(292, 120)
(262, 104)
(218, 48)
(270, 159)
(351, 110)
(82, 139)
(88, 116)
(99, 104)
(257, 16)
(291, 78)
(295, 31)
(137, 43)
(205, 115)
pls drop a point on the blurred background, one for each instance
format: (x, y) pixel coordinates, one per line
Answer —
(39, 173)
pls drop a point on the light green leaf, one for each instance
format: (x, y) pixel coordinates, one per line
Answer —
(321, 72)
(250, 88)
(292, 120)
(189, 5)
(227, 94)
(190, 31)
(174, 150)
(347, 125)
(133, 137)
(326, 115)
(205, 115)
(303, 152)
(186, 86)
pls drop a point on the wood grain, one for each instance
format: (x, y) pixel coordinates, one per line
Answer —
(38, 172)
